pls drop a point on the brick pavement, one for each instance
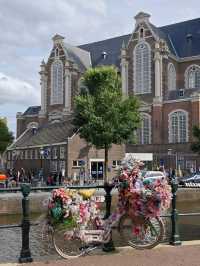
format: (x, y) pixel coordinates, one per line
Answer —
(164, 255)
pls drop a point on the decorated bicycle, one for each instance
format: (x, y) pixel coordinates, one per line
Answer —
(76, 224)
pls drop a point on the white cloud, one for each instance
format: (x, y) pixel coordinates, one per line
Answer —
(27, 27)
(16, 91)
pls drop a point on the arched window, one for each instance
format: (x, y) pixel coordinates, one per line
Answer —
(171, 77)
(142, 68)
(192, 77)
(57, 82)
(178, 126)
(145, 130)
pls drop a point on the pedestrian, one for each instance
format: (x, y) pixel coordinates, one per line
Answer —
(49, 180)
(55, 179)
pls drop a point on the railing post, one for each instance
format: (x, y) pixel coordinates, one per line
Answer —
(25, 255)
(175, 237)
(108, 199)
(108, 247)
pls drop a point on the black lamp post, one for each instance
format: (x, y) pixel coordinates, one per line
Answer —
(41, 163)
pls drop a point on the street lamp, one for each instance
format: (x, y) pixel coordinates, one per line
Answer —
(41, 164)
(176, 158)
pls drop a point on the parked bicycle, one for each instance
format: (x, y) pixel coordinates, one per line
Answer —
(76, 227)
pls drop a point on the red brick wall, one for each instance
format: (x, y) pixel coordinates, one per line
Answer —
(78, 149)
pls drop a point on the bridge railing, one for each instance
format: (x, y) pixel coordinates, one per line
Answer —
(25, 189)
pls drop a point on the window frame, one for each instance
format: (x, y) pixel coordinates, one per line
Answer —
(171, 135)
(57, 83)
(171, 77)
(139, 67)
(149, 130)
(188, 72)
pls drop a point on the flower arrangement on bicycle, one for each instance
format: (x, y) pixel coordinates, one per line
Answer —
(143, 197)
(69, 208)
(76, 219)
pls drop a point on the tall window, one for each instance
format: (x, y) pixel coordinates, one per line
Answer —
(192, 77)
(142, 68)
(145, 130)
(171, 77)
(178, 127)
(57, 82)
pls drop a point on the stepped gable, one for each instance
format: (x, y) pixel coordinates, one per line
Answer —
(50, 133)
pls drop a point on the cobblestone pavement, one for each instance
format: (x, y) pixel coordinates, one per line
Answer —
(187, 255)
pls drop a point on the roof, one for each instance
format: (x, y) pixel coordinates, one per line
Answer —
(32, 110)
(50, 133)
(111, 46)
(185, 37)
(175, 94)
(78, 56)
(182, 38)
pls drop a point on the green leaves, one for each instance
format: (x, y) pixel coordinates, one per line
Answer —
(102, 115)
(196, 145)
(6, 137)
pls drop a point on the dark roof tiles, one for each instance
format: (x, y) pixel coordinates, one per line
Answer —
(176, 36)
(111, 46)
(47, 134)
(32, 110)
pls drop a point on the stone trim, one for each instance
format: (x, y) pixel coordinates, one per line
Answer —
(177, 100)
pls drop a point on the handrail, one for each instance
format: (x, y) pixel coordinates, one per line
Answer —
(25, 189)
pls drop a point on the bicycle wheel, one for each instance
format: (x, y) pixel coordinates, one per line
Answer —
(150, 233)
(66, 246)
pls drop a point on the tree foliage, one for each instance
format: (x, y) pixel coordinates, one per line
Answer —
(102, 115)
(6, 137)
(196, 145)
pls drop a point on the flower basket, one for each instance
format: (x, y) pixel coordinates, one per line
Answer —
(68, 209)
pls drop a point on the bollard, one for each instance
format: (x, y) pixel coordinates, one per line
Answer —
(108, 247)
(25, 255)
(175, 237)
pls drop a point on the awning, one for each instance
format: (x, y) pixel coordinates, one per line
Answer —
(141, 156)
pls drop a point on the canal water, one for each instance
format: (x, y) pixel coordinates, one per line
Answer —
(10, 239)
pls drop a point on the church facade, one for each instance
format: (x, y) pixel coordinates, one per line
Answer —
(160, 65)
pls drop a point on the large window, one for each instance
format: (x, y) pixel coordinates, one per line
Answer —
(145, 130)
(171, 77)
(142, 68)
(192, 77)
(57, 82)
(178, 127)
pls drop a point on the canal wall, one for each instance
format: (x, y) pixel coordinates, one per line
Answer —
(10, 203)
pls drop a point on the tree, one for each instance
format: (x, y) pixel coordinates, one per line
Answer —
(6, 137)
(196, 145)
(102, 115)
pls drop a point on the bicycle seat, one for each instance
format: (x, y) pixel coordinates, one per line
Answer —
(87, 193)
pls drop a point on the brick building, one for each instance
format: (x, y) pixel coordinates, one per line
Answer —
(160, 65)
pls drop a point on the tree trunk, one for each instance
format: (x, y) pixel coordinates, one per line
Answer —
(106, 165)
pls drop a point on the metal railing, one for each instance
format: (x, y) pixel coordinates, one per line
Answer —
(25, 254)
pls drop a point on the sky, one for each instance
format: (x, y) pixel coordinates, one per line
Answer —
(27, 28)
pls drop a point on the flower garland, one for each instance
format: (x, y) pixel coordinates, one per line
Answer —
(141, 197)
